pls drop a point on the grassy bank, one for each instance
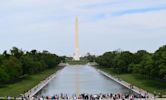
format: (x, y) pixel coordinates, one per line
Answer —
(150, 85)
(17, 88)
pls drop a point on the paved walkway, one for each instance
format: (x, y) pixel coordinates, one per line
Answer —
(42, 84)
(38, 87)
(34, 90)
(127, 85)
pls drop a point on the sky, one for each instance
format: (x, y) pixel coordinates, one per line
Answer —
(104, 25)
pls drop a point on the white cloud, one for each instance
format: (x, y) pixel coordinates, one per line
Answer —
(49, 24)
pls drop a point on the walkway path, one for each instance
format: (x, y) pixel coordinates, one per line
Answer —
(43, 83)
(127, 85)
(38, 87)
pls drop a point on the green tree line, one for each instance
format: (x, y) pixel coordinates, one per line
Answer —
(17, 63)
(150, 65)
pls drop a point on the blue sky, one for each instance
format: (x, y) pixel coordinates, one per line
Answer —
(104, 25)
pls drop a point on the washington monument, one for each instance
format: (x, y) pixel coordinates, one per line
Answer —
(76, 42)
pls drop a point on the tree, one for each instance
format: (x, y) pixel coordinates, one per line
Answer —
(5, 54)
(160, 62)
(142, 63)
(33, 52)
(106, 59)
(146, 65)
(13, 67)
(90, 58)
(17, 64)
(16, 52)
(123, 60)
(27, 64)
(139, 55)
(3, 75)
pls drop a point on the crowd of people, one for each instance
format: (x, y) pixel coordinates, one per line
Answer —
(85, 96)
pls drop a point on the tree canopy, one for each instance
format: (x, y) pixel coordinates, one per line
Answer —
(17, 63)
(150, 65)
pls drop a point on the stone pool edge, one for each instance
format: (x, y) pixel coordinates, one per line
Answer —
(125, 84)
(42, 84)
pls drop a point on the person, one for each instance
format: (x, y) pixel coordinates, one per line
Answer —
(32, 98)
(154, 95)
(22, 98)
(8, 98)
(75, 98)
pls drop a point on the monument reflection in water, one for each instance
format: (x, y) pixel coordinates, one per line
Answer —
(77, 79)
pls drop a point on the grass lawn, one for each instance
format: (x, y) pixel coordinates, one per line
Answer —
(81, 62)
(150, 85)
(15, 89)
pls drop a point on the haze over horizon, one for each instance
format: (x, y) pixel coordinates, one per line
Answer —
(103, 25)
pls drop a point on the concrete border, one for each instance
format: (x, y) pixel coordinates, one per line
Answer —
(127, 85)
(42, 84)
(34, 90)
(38, 87)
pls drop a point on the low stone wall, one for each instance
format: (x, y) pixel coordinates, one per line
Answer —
(38, 87)
(32, 91)
(127, 85)
(42, 84)
(35, 89)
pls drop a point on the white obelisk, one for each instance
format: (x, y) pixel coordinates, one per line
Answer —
(76, 42)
